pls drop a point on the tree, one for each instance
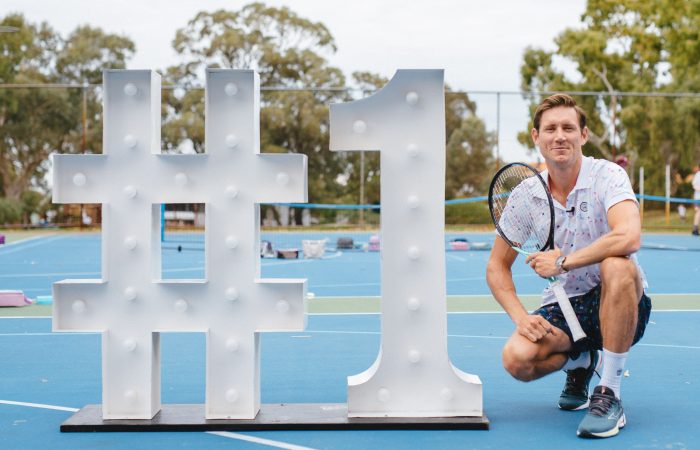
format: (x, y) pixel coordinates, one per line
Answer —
(630, 46)
(37, 122)
(287, 51)
(469, 147)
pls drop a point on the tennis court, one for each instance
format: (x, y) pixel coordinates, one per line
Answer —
(45, 376)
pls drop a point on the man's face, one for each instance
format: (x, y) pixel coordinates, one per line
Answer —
(560, 137)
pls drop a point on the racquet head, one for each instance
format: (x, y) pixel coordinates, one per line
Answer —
(522, 208)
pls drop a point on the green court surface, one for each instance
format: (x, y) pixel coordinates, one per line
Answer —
(371, 305)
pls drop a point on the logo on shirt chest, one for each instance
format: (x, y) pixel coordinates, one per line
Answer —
(583, 207)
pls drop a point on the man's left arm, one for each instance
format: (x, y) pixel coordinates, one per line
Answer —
(623, 239)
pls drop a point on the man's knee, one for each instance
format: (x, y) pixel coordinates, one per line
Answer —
(517, 362)
(618, 269)
(618, 276)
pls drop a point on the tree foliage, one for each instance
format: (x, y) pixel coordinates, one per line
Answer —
(287, 50)
(37, 122)
(638, 46)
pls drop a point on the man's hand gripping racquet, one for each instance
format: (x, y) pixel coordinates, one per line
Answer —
(523, 212)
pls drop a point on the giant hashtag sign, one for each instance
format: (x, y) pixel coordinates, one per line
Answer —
(131, 305)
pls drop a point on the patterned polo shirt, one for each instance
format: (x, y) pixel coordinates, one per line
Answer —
(600, 185)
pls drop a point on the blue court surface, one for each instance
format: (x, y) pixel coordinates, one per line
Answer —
(45, 376)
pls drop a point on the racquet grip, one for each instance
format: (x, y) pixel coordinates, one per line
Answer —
(568, 311)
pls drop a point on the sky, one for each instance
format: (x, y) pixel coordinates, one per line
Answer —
(479, 43)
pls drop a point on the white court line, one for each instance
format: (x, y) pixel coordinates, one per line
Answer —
(378, 313)
(256, 440)
(39, 405)
(58, 333)
(48, 274)
(668, 346)
(74, 274)
(43, 240)
(463, 336)
(226, 434)
(24, 241)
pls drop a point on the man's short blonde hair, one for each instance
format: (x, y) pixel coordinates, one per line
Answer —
(554, 101)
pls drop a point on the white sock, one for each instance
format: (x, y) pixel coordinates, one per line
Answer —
(613, 368)
(583, 360)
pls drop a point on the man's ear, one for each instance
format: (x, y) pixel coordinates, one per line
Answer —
(534, 135)
(584, 135)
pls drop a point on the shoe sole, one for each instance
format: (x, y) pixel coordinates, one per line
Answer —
(621, 422)
(578, 408)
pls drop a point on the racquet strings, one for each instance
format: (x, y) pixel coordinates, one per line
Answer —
(521, 209)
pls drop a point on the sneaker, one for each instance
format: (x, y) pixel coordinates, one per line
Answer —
(605, 416)
(574, 397)
(695, 232)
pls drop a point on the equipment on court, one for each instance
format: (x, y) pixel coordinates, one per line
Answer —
(2, 238)
(266, 250)
(13, 298)
(44, 299)
(344, 243)
(313, 248)
(288, 253)
(373, 245)
(459, 244)
(522, 210)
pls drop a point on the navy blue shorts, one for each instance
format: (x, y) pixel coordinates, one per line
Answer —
(586, 307)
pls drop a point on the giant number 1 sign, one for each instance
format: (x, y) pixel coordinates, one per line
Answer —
(412, 375)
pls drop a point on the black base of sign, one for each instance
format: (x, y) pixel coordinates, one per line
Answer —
(286, 416)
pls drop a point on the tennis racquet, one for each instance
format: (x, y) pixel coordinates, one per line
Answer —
(523, 212)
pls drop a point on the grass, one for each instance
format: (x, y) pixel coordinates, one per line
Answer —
(372, 305)
(655, 220)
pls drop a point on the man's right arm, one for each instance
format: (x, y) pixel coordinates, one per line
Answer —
(500, 279)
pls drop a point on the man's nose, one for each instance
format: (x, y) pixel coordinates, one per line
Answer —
(560, 136)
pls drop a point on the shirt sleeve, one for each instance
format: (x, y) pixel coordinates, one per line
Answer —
(615, 186)
(696, 181)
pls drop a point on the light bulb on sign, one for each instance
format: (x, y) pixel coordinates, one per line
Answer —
(130, 141)
(359, 126)
(181, 179)
(78, 306)
(231, 192)
(130, 89)
(130, 191)
(130, 294)
(231, 141)
(180, 306)
(231, 89)
(79, 179)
